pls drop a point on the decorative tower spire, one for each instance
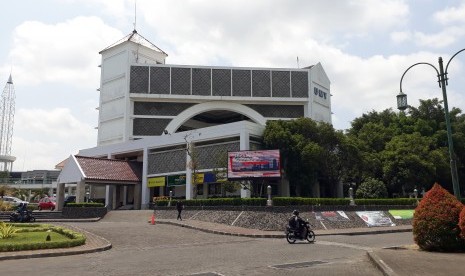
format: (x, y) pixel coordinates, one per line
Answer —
(7, 115)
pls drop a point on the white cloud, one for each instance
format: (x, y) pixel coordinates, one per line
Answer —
(64, 52)
(451, 15)
(400, 37)
(43, 138)
(446, 37)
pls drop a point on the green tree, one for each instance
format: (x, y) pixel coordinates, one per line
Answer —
(371, 188)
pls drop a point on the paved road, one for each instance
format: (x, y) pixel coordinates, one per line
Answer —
(143, 249)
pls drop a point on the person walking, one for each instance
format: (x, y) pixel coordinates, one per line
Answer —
(180, 207)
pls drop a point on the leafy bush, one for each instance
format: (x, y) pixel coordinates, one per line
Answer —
(371, 188)
(462, 223)
(435, 221)
(7, 230)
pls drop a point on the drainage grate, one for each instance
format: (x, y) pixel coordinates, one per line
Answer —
(299, 265)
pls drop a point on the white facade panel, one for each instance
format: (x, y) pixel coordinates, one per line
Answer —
(114, 66)
(111, 129)
(112, 109)
(113, 89)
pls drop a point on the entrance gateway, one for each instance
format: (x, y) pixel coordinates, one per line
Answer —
(151, 112)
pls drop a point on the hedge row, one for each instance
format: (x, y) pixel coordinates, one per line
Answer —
(287, 201)
(85, 204)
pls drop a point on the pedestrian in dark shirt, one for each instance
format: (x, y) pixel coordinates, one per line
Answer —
(179, 207)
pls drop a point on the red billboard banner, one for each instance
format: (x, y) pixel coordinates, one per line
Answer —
(254, 164)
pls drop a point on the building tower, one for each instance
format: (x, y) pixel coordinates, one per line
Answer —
(7, 114)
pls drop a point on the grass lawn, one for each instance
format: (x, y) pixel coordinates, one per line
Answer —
(34, 237)
(31, 236)
(402, 214)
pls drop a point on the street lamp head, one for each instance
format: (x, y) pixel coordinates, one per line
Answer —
(402, 101)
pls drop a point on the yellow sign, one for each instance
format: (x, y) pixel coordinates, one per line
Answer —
(156, 181)
(199, 177)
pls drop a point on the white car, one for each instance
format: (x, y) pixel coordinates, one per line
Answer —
(12, 200)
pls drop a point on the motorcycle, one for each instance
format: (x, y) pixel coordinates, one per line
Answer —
(27, 217)
(293, 234)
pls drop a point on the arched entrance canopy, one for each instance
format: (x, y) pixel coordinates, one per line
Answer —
(214, 105)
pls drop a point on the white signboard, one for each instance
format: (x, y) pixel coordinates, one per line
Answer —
(375, 218)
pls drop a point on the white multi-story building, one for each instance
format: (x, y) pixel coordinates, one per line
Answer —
(151, 111)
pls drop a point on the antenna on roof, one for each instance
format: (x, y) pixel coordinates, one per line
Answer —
(135, 14)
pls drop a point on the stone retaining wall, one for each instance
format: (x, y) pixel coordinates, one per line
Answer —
(276, 218)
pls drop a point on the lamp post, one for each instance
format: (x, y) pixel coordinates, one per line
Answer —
(443, 82)
(269, 202)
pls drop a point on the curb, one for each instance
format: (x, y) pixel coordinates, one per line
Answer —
(279, 236)
(380, 264)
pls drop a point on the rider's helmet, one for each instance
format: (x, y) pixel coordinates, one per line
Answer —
(295, 212)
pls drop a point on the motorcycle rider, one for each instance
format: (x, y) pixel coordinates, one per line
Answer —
(22, 211)
(298, 223)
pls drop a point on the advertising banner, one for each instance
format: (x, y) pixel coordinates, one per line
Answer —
(332, 216)
(375, 218)
(199, 177)
(254, 164)
(156, 182)
(176, 180)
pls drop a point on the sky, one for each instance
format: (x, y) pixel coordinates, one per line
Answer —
(51, 49)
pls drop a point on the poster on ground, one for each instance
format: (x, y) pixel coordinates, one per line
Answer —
(375, 218)
(331, 216)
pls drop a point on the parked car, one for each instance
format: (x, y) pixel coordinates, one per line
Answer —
(69, 199)
(46, 203)
(12, 200)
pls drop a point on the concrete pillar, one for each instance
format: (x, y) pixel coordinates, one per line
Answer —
(245, 145)
(137, 196)
(145, 191)
(245, 193)
(109, 197)
(189, 179)
(205, 190)
(125, 195)
(60, 197)
(80, 191)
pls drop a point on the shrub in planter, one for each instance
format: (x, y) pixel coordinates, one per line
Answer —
(462, 223)
(435, 221)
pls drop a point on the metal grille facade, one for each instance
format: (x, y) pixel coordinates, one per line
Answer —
(261, 86)
(208, 155)
(149, 126)
(281, 83)
(221, 82)
(180, 81)
(201, 82)
(206, 81)
(160, 108)
(167, 161)
(278, 111)
(299, 84)
(159, 80)
(241, 83)
(139, 79)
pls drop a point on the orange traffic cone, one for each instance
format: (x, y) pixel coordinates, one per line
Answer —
(153, 219)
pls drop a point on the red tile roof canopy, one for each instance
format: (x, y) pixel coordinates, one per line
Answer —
(110, 170)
